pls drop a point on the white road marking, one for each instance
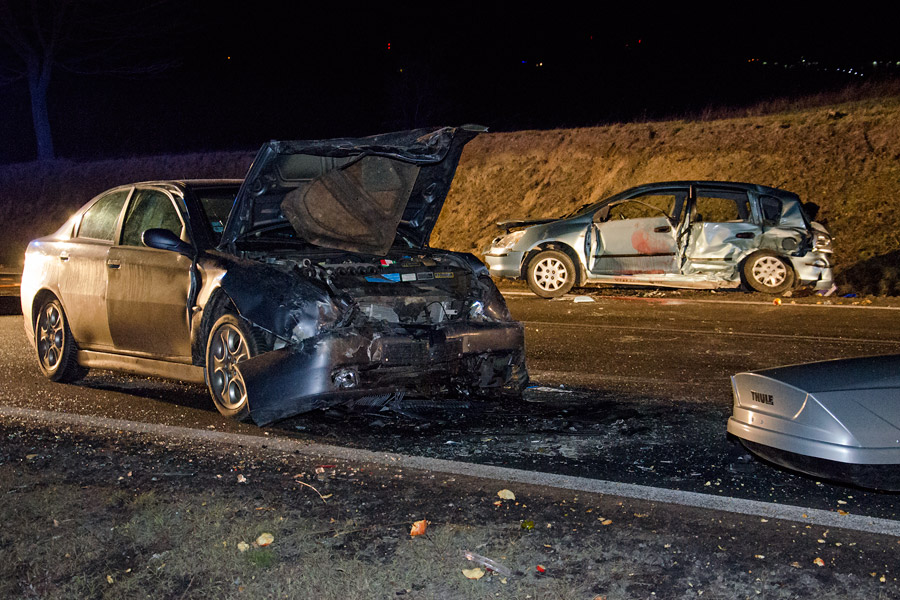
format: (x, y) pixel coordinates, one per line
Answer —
(755, 508)
(786, 301)
(812, 338)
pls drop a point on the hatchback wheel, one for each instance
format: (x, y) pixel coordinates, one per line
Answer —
(551, 274)
(56, 351)
(767, 272)
(229, 343)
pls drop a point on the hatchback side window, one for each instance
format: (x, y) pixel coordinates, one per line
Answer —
(721, 207)
(771, 209)
(150, 209)
(99, 222)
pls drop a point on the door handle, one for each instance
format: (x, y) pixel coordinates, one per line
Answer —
(662, 229)
(64, 256)
(745, 235)
(113, 264)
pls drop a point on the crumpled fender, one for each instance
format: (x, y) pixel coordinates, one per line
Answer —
(276, 300)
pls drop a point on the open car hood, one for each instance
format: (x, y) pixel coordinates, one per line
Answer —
(350, 194)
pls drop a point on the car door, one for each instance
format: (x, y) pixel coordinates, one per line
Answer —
(148, 288)
(84, 270)
(637, 235)
(721, 230)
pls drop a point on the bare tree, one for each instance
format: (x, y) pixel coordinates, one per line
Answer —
(86, 36)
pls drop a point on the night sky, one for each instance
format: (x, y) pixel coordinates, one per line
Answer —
(298, 70)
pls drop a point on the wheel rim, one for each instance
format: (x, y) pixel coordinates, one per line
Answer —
(51, 336)
(769, 271)
(550, 274)
(228, 347)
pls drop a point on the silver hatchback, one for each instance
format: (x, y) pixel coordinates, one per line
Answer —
(688, 234)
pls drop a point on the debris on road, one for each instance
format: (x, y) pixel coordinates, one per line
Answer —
(418, 528)
(506, 495)
(487, 563)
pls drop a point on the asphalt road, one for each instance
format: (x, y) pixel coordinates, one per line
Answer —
(627, 389)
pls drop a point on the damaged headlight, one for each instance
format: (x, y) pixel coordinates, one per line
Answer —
(822, 242)
(505, 243)
(491, 305)
(312, 319)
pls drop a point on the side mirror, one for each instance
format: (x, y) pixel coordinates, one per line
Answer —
(163, 239)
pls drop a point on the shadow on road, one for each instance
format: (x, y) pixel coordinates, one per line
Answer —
(10, 305)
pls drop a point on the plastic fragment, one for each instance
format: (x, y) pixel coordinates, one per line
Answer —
(819, 562)
(777, 301)
(241, 478)
(265, 539)
(487, 563)
(540, 569)
(418, 528)
(243, 546)
(583, 299)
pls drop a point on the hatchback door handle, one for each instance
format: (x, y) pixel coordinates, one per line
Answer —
(662, 229)
(746, 235)
(64, 256)
(113, 264)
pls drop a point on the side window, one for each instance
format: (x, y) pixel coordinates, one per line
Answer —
(721, 207)
(99, 222)
(150, 209)
(771, 209)
(650, 205)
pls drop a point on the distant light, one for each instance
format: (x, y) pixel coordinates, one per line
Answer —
(228, 58)
(389, 46)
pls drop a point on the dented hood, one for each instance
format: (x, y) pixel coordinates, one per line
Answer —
(350, 194)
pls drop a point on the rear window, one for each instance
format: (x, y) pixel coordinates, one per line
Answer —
(99, 222)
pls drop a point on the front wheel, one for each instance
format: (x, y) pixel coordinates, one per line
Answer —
(767, 272)
(229, 343)
(551, 274)
(56, 351)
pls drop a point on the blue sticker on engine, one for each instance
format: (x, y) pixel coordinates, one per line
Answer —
(384, 278)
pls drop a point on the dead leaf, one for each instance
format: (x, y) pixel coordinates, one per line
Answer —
(506, 495)
(819, 562)
(641, 515)
(241, 478)
(475, 573)
(243, 546)
(796, 565)
(418, 528)
(265, 539)
(109, 579)
(606, 522)
(759, 556)
(31, 456)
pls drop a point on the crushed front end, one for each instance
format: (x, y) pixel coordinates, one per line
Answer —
(421, 322)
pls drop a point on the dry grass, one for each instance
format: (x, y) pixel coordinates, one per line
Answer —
(840, 150)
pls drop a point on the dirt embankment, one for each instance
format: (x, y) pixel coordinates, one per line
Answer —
(845, 158)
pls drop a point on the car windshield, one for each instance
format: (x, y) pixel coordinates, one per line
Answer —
(217, 204)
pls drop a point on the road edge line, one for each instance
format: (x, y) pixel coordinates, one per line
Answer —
(750, 508)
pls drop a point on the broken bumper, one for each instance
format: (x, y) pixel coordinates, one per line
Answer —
(813, 270)
(505, 265)
(342, 365)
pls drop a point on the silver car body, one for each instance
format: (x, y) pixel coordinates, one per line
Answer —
(661, 237)
(838, 419)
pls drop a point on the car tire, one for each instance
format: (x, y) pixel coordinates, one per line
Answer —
(765, 271)
(551, 274)
(57, 353)
(230, 341)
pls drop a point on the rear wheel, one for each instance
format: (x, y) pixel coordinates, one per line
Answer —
(551, 274)
(56, 350)
(229, 343)
(767, 272)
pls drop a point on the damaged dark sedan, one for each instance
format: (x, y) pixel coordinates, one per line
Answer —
(309, 284)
